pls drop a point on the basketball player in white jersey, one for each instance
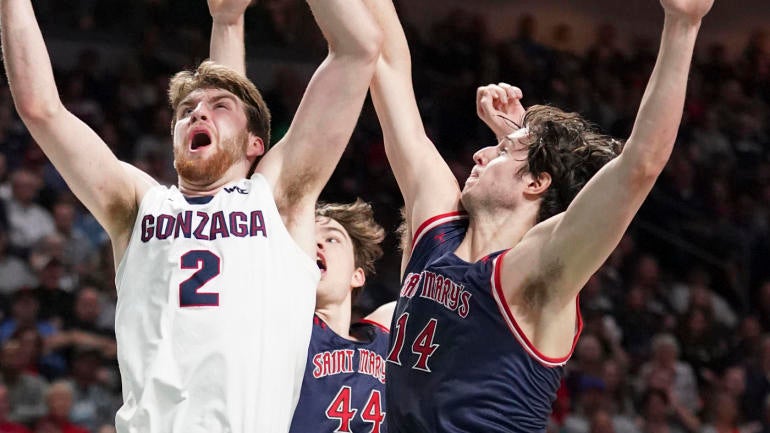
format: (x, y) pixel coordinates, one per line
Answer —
(216, 275)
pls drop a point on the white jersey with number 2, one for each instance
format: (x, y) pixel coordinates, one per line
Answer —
(214, 314)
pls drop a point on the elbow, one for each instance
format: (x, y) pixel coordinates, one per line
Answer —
(37, 112)
(646, 163)
(646, 173)
(364, 47)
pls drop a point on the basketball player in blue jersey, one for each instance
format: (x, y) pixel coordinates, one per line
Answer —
(488, 313)
(344, 385)
(206, 341)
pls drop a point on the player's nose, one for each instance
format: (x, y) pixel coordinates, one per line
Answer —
(481, 157)
(200, 112)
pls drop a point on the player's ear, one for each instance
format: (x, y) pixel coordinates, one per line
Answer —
(255, 146)
(358, 278)
(538, 185)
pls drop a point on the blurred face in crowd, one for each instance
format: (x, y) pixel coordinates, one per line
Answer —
(25, 186)
(5, 405)
(88, 305)
(64, 216)
(11, 357)
(336, 259)
(59, 401)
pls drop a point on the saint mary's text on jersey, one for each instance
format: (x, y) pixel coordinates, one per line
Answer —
(439, 289)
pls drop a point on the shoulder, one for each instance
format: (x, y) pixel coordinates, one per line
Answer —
(382, 316)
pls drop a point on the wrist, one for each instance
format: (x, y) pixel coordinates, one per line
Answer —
(683, 21)
(228, 20)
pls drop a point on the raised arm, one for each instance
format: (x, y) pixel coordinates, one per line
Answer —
(578, 241)
(426, 182)
(98, 179)
(227, 46)
(300, 164)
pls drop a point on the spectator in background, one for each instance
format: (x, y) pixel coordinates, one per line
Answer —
(83, 327)
(25, 391)
(592, 400)
(15, 272)
(659, 414)
(94, 406)
(680, 377)
(725, 417)
(28, 221)
(55, 302)
(6, 425)
(758, 380)
(705, 344)
(78, 249)
(58, 401)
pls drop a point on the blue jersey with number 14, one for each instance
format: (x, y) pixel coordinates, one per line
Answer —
(344, 385)
(458, 361)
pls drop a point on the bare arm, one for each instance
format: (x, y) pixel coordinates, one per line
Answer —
(227, 46)
(574, 244)
(427, 184)
(383, 315)
(300, 164)
(95, 175)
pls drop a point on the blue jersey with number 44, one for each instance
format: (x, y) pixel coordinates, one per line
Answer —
(344, 385)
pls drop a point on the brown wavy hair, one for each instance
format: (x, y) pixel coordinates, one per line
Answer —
(567, 147)
(357, 219)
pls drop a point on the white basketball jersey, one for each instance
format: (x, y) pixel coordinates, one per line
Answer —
(214, 314)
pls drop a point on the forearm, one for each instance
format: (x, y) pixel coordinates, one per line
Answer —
(660, 112)
(348, 27)
(227, 45)
(27, 65)
(416, 164)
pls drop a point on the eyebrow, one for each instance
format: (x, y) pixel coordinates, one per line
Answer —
(336, 230)
(188, 101)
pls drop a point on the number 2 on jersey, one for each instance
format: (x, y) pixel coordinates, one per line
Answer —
(341, 410)
(208, 267)
(422, 346)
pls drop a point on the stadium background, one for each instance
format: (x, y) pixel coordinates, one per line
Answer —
(677, 320)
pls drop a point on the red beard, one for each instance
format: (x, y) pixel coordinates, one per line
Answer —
(207, 171)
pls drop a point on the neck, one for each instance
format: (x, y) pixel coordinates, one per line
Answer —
(489, 232)
(192, 189)
(337, 316)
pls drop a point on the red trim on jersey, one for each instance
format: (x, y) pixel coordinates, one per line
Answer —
(435, 221)
(379, 325)
(499, 296)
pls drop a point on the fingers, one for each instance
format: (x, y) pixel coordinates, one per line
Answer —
(513, 92)
(501, 94)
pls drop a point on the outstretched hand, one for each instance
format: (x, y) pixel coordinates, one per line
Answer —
(499, 106)
(228, 10)
(692, 10)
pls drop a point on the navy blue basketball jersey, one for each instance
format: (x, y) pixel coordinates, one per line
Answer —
(344, 385)
(458, 361)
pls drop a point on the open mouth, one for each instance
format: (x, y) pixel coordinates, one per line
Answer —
(321, 262)
(200, 139)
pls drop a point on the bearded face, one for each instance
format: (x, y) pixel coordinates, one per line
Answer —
(206, 168)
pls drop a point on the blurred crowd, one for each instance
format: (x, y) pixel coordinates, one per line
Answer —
(677, 321)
